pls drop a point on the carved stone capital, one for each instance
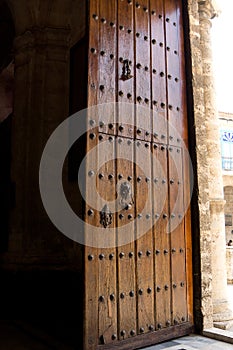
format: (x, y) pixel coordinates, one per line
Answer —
(217, 206)
(208, 9)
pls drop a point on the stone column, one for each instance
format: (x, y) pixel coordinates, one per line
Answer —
(221, 313)
(41, 103)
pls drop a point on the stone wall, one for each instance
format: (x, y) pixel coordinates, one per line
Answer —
(229, 257)
(228, 195)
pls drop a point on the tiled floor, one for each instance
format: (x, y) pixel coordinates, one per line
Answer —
(192, 342)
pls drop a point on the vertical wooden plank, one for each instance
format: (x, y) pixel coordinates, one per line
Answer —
(145, 243)
(126, 253)
(90, 332)
(107, 174)
(178, 265)
(159, 98)
(106, 187)
(178, 131)
(187, 171)
(125, 53)
(174, 57)
(162, 239)
(143, 70)
(107, 63)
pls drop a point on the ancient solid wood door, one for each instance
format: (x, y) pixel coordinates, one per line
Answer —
(137, 260)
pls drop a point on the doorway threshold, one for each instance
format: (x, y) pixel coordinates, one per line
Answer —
(219, 334)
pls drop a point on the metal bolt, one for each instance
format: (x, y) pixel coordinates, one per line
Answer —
(153, 41)
(130, 216)
(151, 328)
(90, 257)
(174, 285)
(123, 333)
(131, 254)
(159, 325)
(122, 295)
(91, 173)
(90, 212)
(122, 255)
(112, 297)
(157, 252)
(121, 128)
(158, 289)
(101, 176)
(139, 179)
(168, 323)
(101, 298)
(114, 336)
(110, 176)
(102, 87)
(140, 254)
(101, 256)
(149, 290)
(131, 293)
(166, 287)
(173, 250)
(92, 136)
(148, 253)
(121, 216)
(132, 332)
(121, 93)
(140, 291)
(165, 251)
(141, 330)
(111, 256)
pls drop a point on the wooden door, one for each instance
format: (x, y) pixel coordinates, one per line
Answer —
(138, 284)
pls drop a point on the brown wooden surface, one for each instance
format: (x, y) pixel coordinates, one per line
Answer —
(143, 293)
(150, 339)
(91, 267)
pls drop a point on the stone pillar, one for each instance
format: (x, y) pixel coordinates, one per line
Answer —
(41, 103)
(221, 312)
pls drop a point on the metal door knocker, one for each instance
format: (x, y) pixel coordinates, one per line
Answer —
(126, 71)
(126, 198)
(105, 216)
